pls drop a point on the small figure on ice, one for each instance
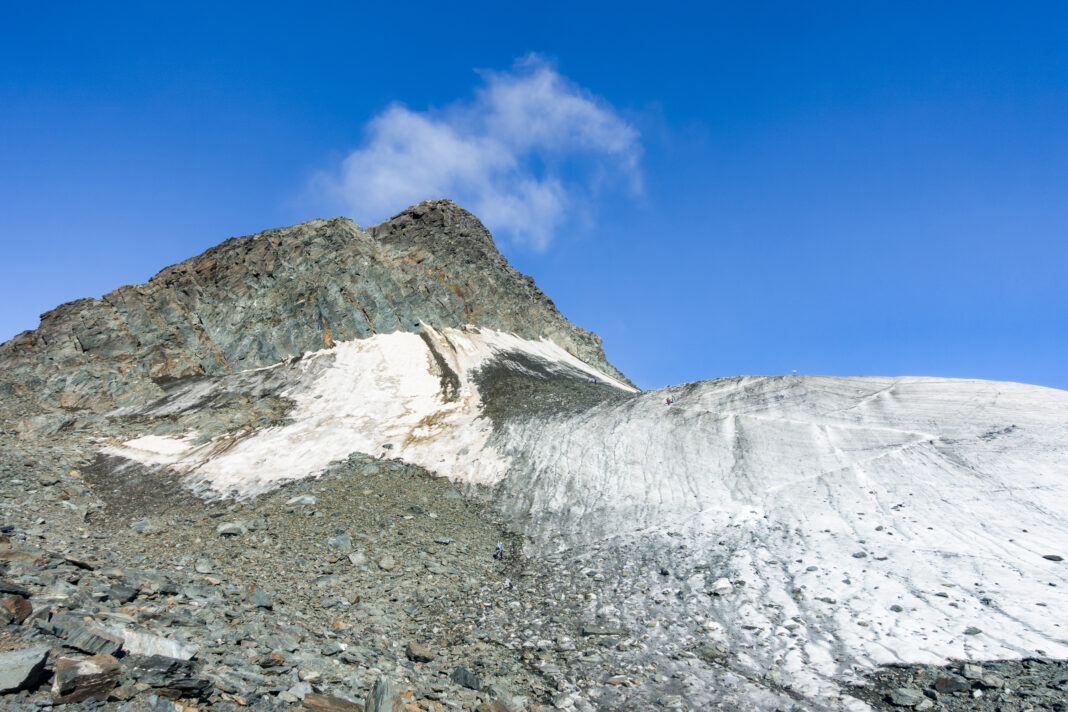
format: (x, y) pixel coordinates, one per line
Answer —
(669, 400)
(499, 552)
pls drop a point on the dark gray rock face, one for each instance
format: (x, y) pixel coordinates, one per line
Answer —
(21, 669)
(383, 697)
(256, 300)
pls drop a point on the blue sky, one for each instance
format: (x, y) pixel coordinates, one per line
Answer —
(837, 188)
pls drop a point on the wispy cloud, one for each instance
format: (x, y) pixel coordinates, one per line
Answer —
(530, 151)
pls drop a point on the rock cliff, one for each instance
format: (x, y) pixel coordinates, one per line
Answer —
(257, 300)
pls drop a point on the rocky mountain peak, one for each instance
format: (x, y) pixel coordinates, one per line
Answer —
(260, 299)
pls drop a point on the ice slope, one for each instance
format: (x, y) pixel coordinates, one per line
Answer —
(395, 395)
(872, 520)
(810, 525)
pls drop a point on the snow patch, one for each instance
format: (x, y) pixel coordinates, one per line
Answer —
(389, 395)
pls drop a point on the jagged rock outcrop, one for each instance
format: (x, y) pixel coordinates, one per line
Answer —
(256, 300)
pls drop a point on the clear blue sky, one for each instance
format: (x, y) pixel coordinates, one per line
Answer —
(837, 188)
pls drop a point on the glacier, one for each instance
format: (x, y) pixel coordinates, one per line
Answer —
(810, 527)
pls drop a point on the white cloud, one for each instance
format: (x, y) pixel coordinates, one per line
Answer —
(525, 154)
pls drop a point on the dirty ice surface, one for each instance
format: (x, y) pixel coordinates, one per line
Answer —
(858, 521)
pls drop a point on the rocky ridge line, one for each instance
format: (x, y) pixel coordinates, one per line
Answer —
(257, 300)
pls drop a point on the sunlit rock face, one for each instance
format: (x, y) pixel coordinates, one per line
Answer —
(257, 300)
(774, 536)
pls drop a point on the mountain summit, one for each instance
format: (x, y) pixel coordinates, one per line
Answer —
(257, 300)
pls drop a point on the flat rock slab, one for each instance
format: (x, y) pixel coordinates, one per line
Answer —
(329, 703)
(22, 669)
(590, 629)
(13, 588)
(419, 653)
(15, 609)
(90, 639)
(171, 677)
(465, 678)
(146, 644)
(79, 679)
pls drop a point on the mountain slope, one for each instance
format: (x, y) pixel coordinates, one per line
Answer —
(257, 300)
(758, 543)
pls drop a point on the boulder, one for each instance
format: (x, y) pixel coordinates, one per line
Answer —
(90, 639)
(465, 678)
(172, 678)
(15, 609)
(231, 529)
(419, 653)
(383, 697)
(146, 644)
(22, 669)
(905, 697)
(79, 679)
(13, 589)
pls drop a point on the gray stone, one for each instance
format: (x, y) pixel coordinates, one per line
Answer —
(905, 696)
(146, 644)
(22, 669)
(122, 593)
(386, 563)
(419, 653)
(260, 599)
(947, 684)
(170, 677)
(383, 697)
(343, 542)
(231, 529)
(594, 629)
(15, 609)
(301, 690)
(79, 679)
(971, 671)
(91, 639)
(465, 678)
